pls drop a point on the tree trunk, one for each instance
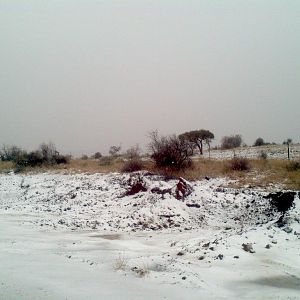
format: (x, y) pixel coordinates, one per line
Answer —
(201, 149)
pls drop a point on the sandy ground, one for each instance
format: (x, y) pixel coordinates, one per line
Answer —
(48, 251)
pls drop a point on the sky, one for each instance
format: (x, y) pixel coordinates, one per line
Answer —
(89, 74)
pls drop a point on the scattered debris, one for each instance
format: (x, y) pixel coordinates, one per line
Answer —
(135, 184)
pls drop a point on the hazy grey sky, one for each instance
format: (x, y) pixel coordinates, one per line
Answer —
(88, 74)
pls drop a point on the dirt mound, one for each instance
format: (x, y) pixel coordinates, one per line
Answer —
(282, 201)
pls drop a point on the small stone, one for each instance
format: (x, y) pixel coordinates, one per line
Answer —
(236, 257)
(220, 257)
(274, 242)
(206, 245)
(248, 248)
(180, 253)
(288, 229)
(183, 278)
(201, 257)
(268, 246)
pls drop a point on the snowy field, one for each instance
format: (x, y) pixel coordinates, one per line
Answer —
(81, 236)
(272, 151)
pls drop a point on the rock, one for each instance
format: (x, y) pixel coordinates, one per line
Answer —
(135, 184)
(180, 253)
(206, 245)
(288, 229)
(220, 257)
(157, 190)
(193, 205)
(183, 278)
(268, 246)
(201, 257)
(236, 257)
(183, 189)
(248, 247)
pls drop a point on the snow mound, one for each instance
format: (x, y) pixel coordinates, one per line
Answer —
(137, 202)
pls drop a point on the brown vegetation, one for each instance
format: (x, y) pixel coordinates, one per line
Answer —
(262, 173)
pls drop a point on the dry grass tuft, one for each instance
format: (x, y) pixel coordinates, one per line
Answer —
(5, 166)
(120, 263)
(141, 271)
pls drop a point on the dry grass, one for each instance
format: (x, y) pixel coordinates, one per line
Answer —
(6, 166)
(262, 173)
(120, 263)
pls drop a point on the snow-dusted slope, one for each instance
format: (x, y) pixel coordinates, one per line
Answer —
(216, 243)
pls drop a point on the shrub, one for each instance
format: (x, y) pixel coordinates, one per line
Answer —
(259, 142)
(293, 166)
(11, 153)
(263, 155)
(97, 155)
(287, 142)
(133, 152)
(233, 141)
(62, 159)
(34, 158)
(132, 165)
(45, 155)
(84, 157)
(239, 164)
(170, 151)
(49, 153)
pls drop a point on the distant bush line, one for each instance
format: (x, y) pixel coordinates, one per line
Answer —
(46, 154)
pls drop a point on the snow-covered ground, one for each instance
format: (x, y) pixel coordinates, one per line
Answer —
(272, 151)
(81, 236)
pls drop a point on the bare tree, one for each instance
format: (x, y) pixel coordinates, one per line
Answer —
(114, 150)
(233, 141)
(133, 152)
(169, 151)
